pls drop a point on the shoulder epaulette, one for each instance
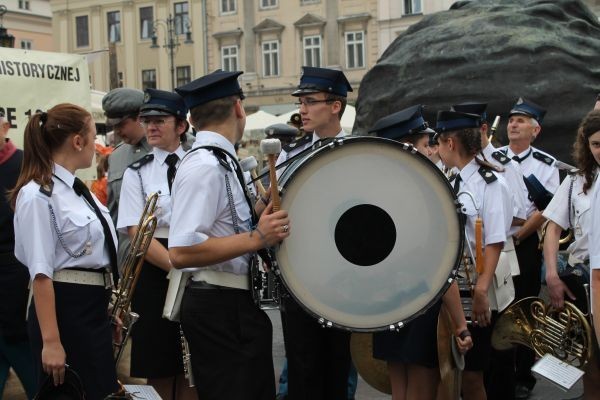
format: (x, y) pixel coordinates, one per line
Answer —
(546, 159)
(487, 174)
(298, 143)
(47, 189)
(142, 161)
(501, 157)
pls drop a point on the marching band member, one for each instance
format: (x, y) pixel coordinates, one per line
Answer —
(212, 230)
(524, 125)
(570, 208)
(411, 353)
(156, 352)
(66, 238)
(483, 194)
(318, 359)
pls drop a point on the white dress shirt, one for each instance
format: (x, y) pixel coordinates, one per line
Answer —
(514, 181)
(491, 201)
(594, 247)
(200, 206)
(580, 213)
(546, 174)
(133, 195)
(48, 228)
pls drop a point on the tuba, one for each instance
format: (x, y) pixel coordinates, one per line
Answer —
(566, 333)
(130, 273)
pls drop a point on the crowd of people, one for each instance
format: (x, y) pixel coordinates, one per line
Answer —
(68, 243)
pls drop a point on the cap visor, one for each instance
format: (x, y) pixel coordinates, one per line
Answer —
(147, 113)
(300, 92)
(115, 121)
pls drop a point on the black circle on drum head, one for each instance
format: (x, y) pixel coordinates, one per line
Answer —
(365, 235)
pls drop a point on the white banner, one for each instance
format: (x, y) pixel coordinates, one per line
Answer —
(37, 80)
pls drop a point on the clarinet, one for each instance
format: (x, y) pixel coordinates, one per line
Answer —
(187, 359)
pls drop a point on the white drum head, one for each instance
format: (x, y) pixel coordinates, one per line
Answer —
(375, 234)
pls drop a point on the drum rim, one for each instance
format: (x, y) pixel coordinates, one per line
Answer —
(323, 149)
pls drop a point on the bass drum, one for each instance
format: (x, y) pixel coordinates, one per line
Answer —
(376, 236)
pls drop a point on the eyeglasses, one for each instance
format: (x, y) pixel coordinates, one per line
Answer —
(158, 122)
(311, 102)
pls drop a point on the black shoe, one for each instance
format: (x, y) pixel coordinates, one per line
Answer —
(281, 397)
(522, 392)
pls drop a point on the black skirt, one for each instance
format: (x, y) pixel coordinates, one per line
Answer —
(14, 281)
(416, 343)
(85, 334)
(156, 343)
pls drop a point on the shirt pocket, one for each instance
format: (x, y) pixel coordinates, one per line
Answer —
(581, 210)
(77, 230)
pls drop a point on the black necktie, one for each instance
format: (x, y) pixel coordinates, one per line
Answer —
(171, 162)
(520, 159)
(82, 190)
(457, 184)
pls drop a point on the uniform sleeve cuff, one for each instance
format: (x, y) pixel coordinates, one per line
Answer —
(187, 239)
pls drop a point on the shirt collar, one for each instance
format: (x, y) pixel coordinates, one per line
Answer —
(161, 155)
(316, 138)
(468, 170)
(523, 154)
(64, 175)
(208, 138)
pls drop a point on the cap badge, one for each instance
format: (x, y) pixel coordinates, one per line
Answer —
(147, 97)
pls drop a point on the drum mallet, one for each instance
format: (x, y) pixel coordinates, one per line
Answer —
(271, 148)
(250, 164)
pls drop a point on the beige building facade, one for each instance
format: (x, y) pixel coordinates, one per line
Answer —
(95, 28)
(270, 40)
(30, 22)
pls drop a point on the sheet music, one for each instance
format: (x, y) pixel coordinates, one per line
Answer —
(142, 392)
(560, 373)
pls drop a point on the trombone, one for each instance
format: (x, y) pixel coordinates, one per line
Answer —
(131, 271)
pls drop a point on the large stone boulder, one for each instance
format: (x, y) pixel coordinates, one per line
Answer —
(494, 51)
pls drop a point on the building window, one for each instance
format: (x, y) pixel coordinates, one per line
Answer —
(312, 51)
(184, 75)
(26, 44)
(355, 49)
(412, 7)
(23, 4)
(146, 22)
(302, 2)
(120, 79)
(229, 58)
(181, 17)
(270, 52)
(114, 26)
(148, 79)
(227, 6)
(268, 3)
(82, 31)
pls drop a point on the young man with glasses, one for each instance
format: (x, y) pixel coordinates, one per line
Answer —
(318, 359)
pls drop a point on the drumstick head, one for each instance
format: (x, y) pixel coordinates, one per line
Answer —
(270, 146)
(249, 163)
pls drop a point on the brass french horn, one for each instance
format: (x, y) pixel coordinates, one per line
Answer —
(565, 334)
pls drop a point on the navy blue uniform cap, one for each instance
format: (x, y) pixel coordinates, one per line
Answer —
(213, 86)
(402, 123)
(472, 108)
(528, 108)
(281, 130)
(314, 80)
(161, 102)
(448, 121)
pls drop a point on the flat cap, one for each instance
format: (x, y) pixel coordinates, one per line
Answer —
(161, 102)
(402, 123)
(314, 80)
(448, 121)
(528, 108)
(472, 108)
(281, 130)
(121, 103)
(213, 86)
